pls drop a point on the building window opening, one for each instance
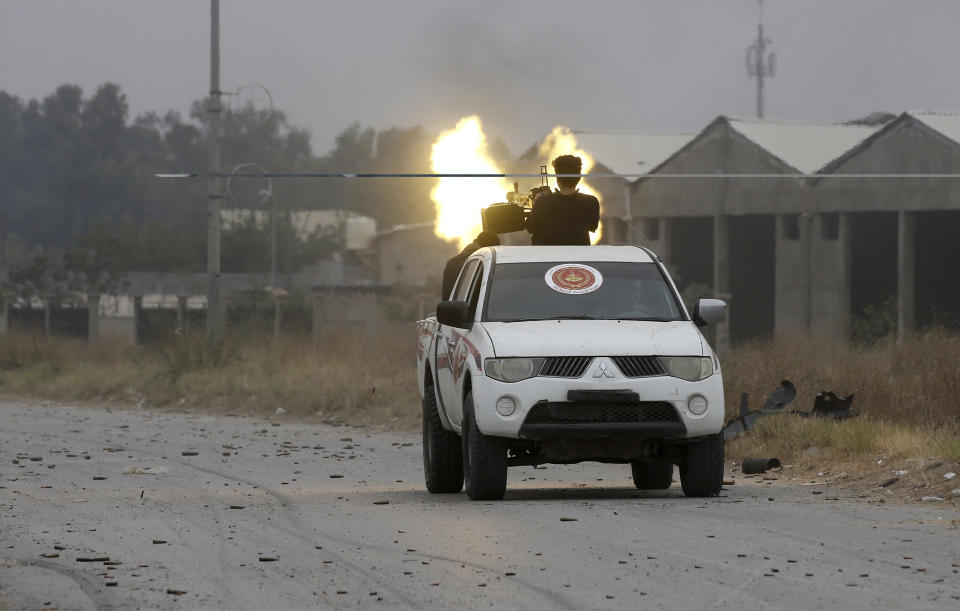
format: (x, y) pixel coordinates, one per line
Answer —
(830, 226)
(791, 226)
(651, 228)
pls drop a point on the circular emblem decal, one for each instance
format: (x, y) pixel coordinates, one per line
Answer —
(573, 278)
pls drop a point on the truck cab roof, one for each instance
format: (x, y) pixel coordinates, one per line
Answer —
(539, 254)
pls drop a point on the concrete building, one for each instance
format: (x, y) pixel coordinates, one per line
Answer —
(807, 253)
(624, 152)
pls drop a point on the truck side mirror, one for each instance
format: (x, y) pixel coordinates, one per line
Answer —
(454, 314)
(709, 312)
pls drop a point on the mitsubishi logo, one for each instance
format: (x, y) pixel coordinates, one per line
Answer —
(602, 372)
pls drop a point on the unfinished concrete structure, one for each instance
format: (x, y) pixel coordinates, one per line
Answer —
(807, 253)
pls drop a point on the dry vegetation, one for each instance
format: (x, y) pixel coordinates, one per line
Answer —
(352, 374)
(907, 393)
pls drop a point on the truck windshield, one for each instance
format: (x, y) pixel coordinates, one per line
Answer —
(602, 290)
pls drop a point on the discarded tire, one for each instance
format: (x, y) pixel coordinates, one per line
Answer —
(759, 465)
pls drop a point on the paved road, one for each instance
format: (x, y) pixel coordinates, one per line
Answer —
(337, 517)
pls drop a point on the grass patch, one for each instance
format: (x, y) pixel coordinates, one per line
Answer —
(907, 393)
(792, 438)
(351, 374)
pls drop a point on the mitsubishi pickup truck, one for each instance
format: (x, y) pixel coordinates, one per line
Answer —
(563, 354)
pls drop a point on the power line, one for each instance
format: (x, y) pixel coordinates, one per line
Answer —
(751, 175)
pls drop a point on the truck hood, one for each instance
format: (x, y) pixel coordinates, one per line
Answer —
(594, 338)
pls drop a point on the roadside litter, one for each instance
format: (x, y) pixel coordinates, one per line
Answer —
(759, 465)
(826, 405)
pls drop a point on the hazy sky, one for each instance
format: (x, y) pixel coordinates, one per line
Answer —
(524, 66)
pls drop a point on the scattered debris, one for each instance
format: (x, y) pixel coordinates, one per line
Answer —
(189, 453)
(931, 498)
(900, 472)
(949, 476)
(568, 519)
(776, 401)
(280, 411)
(93, 559)
(933, 465)
(888, 482)
(176, 592)
(267, 558)
(759, 465)
(134, 470)
(826, 404)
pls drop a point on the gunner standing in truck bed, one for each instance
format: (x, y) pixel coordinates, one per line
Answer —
(565, 217)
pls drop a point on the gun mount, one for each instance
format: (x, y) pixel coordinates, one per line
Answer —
(509, 216)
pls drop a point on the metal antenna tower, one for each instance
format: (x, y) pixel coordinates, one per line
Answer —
(760, 64)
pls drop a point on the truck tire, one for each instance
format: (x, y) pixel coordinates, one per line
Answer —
(648, 476)
(442, 457)
(701, 467)
(484, 459)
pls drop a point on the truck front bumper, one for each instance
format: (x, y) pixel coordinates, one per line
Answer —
(556, 392)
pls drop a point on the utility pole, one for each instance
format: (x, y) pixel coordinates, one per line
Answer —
(273, 267)
(214, 197)
(760, 64)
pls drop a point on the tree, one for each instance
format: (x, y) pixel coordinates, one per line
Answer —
(95, 264)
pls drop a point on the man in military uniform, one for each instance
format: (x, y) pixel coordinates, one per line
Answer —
(564, 217)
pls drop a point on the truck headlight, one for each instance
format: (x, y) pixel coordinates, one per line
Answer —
(512, 369)
(689, 368)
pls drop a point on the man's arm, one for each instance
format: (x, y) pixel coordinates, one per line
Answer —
(594, 215)
(450, 272)
(533, 220)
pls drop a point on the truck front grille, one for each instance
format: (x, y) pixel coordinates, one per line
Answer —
(565, 366)
(572, 412)
(639, 366)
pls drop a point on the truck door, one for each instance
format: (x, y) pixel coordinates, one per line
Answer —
(454, 346)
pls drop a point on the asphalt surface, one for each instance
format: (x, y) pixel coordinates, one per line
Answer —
(295, 516)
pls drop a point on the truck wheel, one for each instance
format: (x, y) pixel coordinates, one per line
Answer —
(701, 467)
(651, 476)
(442, 458)
(484, 459)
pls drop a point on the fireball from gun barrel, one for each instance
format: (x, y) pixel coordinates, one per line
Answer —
(458, 201)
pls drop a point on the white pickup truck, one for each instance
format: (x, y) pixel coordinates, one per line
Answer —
(561, 354)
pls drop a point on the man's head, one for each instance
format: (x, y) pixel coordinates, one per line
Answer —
(567, 164)
(487, 238)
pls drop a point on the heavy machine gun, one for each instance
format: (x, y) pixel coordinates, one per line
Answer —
(509, 216)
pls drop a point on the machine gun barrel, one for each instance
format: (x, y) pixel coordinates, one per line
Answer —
(510, 216)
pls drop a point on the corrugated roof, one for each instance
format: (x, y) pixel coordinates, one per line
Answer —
(804, 146)
(946, 123)
(631, 152)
